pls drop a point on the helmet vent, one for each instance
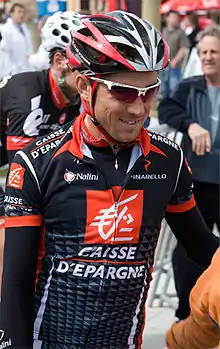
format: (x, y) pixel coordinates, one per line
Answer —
(56, 32)
(65, 39)
(65, 26)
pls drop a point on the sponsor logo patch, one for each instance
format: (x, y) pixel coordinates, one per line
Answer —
(113, 223)
(16, 176)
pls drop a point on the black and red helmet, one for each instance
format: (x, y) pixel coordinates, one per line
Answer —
(118, 41)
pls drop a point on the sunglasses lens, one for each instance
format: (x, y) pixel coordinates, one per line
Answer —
(129, 95)
(124, 94)
(150, 94)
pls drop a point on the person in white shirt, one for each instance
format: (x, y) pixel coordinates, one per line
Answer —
(40, 59)
(16, 40)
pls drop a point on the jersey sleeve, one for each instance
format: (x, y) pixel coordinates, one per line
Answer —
(3, 128)
(22, 233)
(2, 211)
(182, 199)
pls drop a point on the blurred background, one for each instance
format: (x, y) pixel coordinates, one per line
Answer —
(153, 10)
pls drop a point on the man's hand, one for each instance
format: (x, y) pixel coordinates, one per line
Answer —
(201, 140)
(173, 64)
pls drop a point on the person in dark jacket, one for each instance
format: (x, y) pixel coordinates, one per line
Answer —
(194, 109)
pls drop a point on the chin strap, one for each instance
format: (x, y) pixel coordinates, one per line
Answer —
(61, 83)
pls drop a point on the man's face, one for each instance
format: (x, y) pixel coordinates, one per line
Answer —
(122, 120)
(209, 54)
(61, 70)
(173, 20)
(18, 15)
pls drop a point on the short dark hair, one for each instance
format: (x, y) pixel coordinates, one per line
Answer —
(16, 4)
(172, 12)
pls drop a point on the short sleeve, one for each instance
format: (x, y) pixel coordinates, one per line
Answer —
(182, 199)
(184, 41)
(22, 195)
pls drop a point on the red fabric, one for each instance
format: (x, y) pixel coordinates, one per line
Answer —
(183, 6)
(81, 133)
(58, 98)
(117, 5)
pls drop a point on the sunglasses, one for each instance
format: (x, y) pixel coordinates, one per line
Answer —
(129, 93)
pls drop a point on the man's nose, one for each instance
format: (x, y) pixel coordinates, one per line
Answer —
(208, 55)
(137, 107)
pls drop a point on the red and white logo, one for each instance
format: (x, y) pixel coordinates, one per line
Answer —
(62, 118)
(69, 176)
(147, 164)
(16, 176)
(117, 223)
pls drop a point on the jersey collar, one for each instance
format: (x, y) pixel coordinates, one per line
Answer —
(80, 135)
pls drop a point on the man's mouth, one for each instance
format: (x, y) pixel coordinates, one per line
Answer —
(130, 122)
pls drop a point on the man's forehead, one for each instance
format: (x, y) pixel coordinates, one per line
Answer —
(209, 42)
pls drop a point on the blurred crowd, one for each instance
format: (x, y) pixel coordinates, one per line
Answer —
(16, 45)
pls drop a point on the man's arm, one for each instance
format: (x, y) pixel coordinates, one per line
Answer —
(186, 222)
(22, 232)
(172, 110)
(184, 46)
(192, 233)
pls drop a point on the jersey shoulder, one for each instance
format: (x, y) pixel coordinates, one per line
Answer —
(21, 92)
(165, 144)
(41, 151)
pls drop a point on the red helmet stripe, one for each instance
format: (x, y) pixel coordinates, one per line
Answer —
(102, 45)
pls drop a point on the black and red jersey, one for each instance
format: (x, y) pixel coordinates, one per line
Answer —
(31, 105)
(101, 213)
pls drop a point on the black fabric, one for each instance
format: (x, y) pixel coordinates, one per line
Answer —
(2, 211)
(186, 272)
(192, 233)
(18, 282)
(27, 111)
(114, 165)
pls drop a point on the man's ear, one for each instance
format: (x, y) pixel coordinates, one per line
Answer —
(59, 62)
(83, 87)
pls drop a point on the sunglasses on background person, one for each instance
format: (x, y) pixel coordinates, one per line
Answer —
(129, 93)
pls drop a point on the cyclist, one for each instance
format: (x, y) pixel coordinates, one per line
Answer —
(101, 192)
(35, 103)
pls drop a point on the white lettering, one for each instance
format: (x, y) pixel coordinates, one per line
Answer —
(89, 270)
(111, 272)
(63, 267)
(164, 140)
(121, 253)
(131, 252)
(13, 200)
(99, 272)
(85, 251)
(78, 270)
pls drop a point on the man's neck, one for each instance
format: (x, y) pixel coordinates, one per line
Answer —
(171, 29)
(92, 128)
(213, 80)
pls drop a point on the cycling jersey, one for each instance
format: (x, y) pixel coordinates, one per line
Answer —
(100, 233)
(31, 106)
(1, 208)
